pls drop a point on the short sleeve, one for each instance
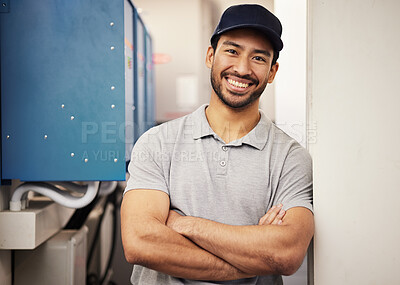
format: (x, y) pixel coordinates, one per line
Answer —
(146, 166)
(295, 187)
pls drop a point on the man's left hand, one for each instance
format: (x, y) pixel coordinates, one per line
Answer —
(274, 216)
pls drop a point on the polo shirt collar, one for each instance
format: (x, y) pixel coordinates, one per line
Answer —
(256, 138)
(201, 126)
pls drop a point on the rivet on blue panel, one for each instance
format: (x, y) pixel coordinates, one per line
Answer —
(5, 6)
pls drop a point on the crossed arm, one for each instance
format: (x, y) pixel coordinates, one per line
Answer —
(195, 248)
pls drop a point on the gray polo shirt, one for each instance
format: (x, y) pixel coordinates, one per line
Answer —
(233, 183)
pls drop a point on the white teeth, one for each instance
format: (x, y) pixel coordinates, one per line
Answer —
(238, 84)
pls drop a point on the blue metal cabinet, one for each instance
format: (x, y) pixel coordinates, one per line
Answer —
(140, 109)
(150, 90)
(67, 92)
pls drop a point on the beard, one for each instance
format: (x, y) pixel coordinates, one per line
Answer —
(236, 104)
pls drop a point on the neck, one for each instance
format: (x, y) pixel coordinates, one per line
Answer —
(231, 124)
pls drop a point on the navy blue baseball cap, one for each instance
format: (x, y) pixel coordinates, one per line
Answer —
(251, 16)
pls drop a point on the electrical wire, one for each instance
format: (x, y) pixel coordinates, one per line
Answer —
(78, 219)
(113, 198)
(19, 196)
(96, 236)
(93, 279)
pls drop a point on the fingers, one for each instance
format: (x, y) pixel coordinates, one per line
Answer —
(267, 215)
(274, 216)
(279, 217)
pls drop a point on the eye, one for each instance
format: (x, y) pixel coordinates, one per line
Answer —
(231, 51)
(259, 58)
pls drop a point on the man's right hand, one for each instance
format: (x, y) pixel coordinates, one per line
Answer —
(274, 216)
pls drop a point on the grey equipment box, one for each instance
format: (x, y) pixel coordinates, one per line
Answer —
(61, 260)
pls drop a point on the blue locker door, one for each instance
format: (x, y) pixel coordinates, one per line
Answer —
(140, 109)
(63, 90)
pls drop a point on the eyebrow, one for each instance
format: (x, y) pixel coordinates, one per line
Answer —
(229, 43)
(264, 52)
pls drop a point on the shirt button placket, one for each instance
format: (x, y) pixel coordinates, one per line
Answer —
(223, 160)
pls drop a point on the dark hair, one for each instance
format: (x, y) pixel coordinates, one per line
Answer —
(215, 40)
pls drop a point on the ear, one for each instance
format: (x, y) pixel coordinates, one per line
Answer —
(272, 72)
(209, 57)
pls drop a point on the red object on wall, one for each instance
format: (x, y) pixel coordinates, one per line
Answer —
(161, 58)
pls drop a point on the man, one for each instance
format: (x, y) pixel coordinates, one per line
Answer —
(221, 195)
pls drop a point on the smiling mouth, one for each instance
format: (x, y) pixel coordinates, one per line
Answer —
(238, 84)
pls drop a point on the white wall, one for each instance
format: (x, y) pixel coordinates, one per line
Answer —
(290, 83)
(354, 99)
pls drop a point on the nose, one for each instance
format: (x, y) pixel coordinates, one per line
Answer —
(242, 66)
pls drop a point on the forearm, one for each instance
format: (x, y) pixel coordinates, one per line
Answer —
(157, 247)
(239, 245)
(259, 250)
